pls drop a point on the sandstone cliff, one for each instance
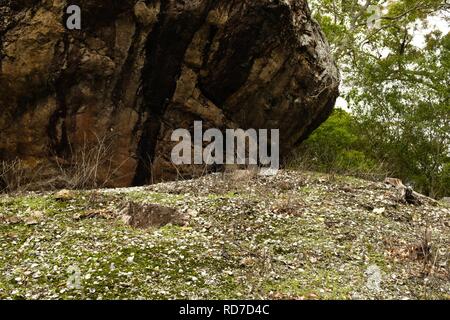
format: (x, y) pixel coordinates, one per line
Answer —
(139, 69)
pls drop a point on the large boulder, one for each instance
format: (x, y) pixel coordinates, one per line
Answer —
(137, 70)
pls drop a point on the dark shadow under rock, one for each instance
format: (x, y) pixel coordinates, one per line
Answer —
(143, 216)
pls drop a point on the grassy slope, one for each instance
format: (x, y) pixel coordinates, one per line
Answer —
(298, 235)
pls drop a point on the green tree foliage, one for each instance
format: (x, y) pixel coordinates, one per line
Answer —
(336, 147)
(398, 92)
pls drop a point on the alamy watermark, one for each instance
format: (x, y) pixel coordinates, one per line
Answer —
(374, 278)
(74, 280)
(73, 21)
(250, 147)
(374, 20)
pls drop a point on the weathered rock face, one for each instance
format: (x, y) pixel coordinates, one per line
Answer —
(137, 70)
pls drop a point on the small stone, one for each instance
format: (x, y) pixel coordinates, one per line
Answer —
(64, 195)
(379, 210)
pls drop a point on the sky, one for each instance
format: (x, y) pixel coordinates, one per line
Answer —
(438, 23)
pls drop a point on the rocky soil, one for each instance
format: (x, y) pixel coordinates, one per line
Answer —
(298, 235)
